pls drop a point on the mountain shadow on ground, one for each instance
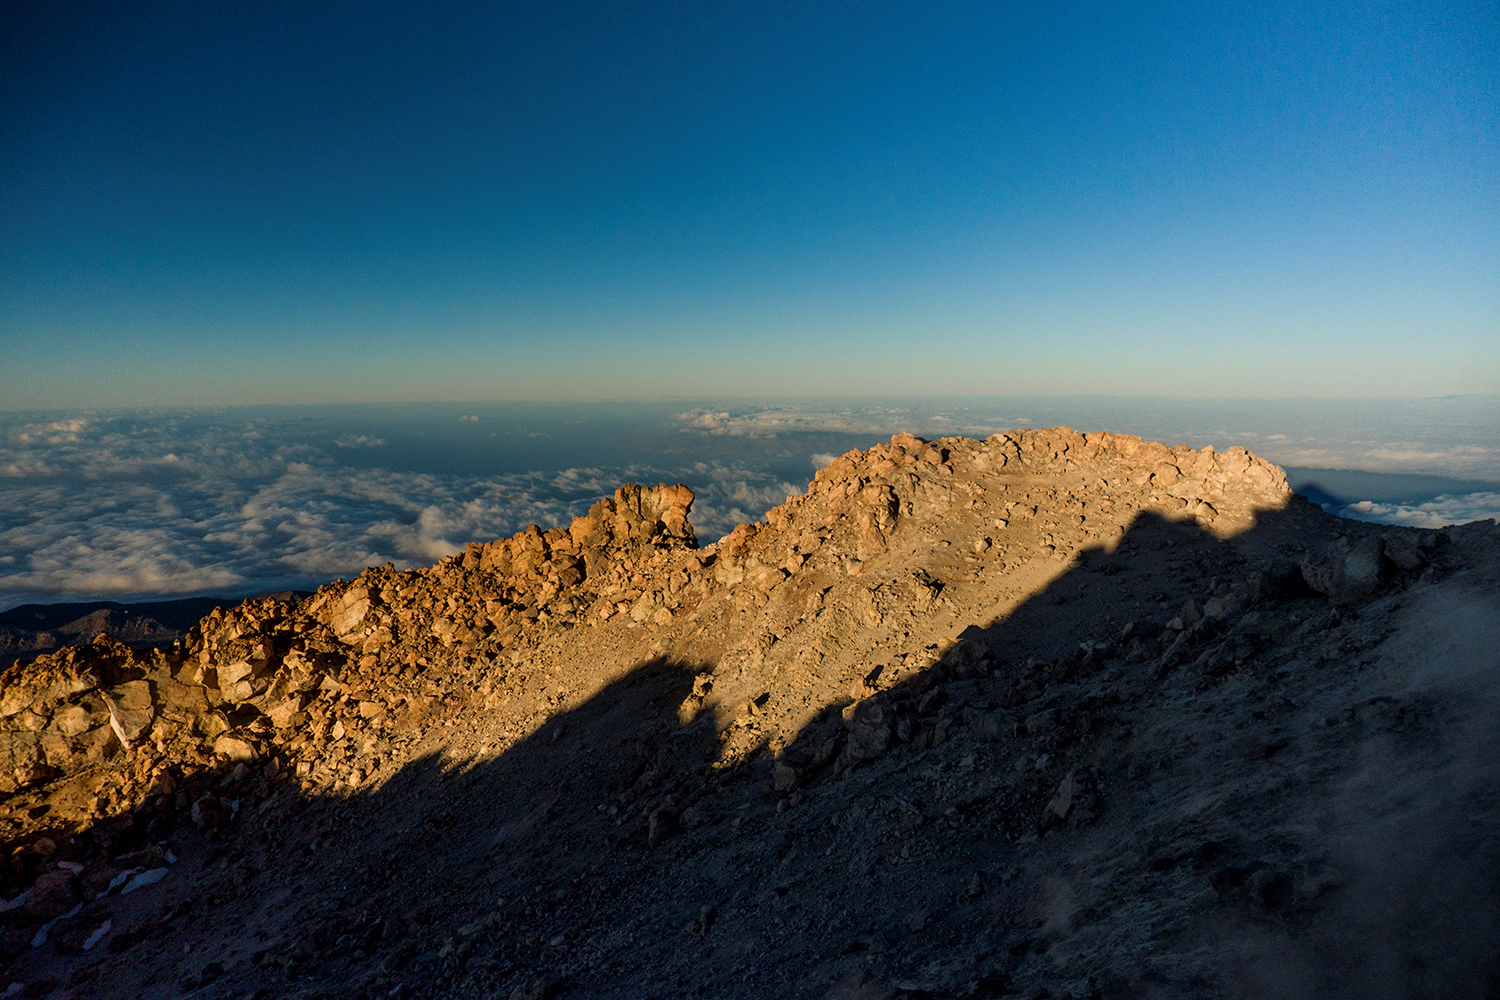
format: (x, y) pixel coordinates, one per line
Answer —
(1152, 779)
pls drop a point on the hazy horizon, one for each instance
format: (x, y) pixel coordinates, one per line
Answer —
(714, 243)
(232, 501)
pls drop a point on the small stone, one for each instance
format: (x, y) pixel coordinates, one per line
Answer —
(994, 726)
(283, 713)
(238, 691)
(130, 711)
(231, 673)
(234, 748)
(209, 812)
(660, 826)
(72, 720)
(1041, 721)
(211, 724)
(869, 728)
(52, 895)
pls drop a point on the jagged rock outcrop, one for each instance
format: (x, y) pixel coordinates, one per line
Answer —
(912, 691)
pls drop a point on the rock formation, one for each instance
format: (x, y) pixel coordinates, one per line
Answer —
(1050, 714)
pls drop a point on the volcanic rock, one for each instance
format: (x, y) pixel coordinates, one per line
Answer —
(1045, 714)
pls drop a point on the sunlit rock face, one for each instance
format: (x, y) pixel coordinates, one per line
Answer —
(1061, 711)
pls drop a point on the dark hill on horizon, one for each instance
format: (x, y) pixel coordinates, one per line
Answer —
(1045, 715)
(34, 629)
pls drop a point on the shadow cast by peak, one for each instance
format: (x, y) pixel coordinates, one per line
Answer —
(615, 850)
(1113, 611)
(595, 855)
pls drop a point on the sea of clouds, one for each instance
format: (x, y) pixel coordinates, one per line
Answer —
(151, 504)
(140, 506)
(1436, 513)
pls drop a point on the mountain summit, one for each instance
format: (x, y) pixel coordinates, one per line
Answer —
(1045, 715)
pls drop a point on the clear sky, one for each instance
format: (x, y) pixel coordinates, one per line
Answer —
(292, 202)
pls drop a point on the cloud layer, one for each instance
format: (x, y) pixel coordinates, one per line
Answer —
(1439, 437)
(95, 508)
(1437, 513)
(146, 504)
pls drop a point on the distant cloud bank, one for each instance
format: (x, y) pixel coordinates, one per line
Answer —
(90, 511)
(1421, 436)
(142, 504)
(1438, 513)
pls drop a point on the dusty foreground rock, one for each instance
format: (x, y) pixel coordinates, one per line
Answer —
(1044, 715)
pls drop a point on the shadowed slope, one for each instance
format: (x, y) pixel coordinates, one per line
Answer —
(882, 744)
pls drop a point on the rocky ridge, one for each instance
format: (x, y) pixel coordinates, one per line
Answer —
(1045, 712)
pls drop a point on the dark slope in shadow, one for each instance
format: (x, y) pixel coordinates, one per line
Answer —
(913, 845)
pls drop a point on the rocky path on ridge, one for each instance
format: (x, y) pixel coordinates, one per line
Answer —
(1046, 715)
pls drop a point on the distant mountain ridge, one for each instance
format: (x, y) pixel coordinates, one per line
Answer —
(34, 629)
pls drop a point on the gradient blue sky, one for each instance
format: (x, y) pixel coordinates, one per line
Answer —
(290, 202)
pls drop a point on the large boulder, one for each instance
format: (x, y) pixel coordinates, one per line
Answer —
(1349, 572)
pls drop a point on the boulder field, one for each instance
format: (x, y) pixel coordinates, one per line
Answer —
(1045, 715)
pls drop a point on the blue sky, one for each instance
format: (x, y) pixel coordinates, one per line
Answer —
(275, 202)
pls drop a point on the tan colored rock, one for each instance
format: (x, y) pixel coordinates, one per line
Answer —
(284, 713)
(99, 744)
(48, 680)
(130, 710)
(211, 724)
(350, 612)
(59, 751)
(180, 701)
(230, 673)
(21, 760)
(234, 748)
(239, 691)
(73, 720)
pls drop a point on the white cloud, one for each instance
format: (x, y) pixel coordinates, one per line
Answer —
(54, 433)
(145, 504)
(1436, 513)
(1459, 460)
(877, 421)
(86, 537)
